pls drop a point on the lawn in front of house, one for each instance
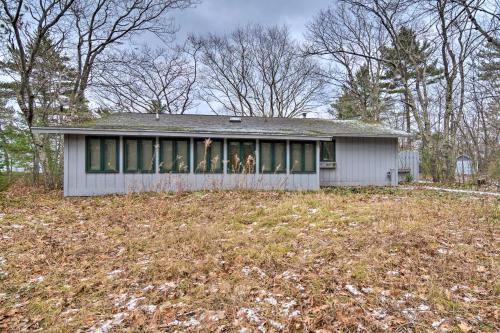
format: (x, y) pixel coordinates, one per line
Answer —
(351, 259)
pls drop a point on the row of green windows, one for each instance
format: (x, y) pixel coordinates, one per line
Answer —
(139, 155)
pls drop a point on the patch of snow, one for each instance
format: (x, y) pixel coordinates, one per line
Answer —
(410, 314)
(277, 325)
(393, 273)
(437, 323)
(132, 303)
(120, 300)
(214, 315)
(352, 289)
(289, 275)
(69, 312)
(450, 190)
(149, 308)
(38, 279)
(423, 307)
(379, 313)
(167, 285)
(108, 324)
(248, 270)
(16, 226)
(442, 251)
(148, 287)
(271, 300)
(469, 298)
(250, 314)
(367, 290)
(286, 307)
(114, 273)
(313, 210)
(457, 287)
(190, 323)
(295, 216)
(173, 323)
(143, 262)
(408, 295)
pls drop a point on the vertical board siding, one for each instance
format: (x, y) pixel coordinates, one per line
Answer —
(79, 183)
(362, 162)
(409, 159)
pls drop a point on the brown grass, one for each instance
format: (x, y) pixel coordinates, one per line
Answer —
(342, 260)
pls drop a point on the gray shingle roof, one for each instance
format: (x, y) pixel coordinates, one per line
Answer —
(221, 125)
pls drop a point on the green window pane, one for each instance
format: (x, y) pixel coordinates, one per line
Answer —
(131, 155)
(296, 149)
(167, 149)
(94, 151)
(182, 156)
(235, 163)
(147, 155)
(309, 156)
(110, 162)
(279, 157)
(266, 157)
(216, 156)
(327, 151)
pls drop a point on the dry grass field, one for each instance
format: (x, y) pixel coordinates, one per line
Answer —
(335, 260)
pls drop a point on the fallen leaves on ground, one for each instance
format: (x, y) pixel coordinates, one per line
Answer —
(352, 260)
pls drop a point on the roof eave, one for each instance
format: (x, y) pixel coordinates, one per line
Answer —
(148, 132)
(143, 132)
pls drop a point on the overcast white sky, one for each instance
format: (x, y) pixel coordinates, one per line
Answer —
(220, 16)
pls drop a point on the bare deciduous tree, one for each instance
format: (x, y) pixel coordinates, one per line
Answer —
(160, 80)
(352, 40)
(259, 72)
(102, 24)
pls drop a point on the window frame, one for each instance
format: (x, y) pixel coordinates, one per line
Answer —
(102, 166)
(140, 162)
(208, 157)
(303, 157)
(334, 151)
(240, 142)
(273, 157)
(174, 154)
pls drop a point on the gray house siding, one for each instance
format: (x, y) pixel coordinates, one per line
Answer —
(77, 182)
(363, 162)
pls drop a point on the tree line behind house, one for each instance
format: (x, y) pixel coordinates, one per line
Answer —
(431, 68)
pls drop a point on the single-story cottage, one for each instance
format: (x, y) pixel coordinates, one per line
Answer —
(130, 152)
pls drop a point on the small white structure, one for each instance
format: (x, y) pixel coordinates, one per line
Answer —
(464, 166)
(132, 152)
